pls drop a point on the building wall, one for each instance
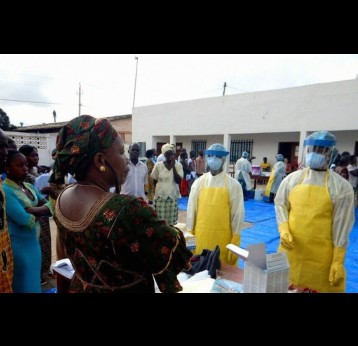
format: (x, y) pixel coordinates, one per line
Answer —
(44, 142)
(267, 117)
(124, 128)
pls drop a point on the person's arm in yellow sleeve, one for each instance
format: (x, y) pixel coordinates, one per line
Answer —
(231, 256)
(282, 213)
(286, 239)
(343, 221)
(237, 217)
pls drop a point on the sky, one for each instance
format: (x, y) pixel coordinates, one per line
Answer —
(33, 86)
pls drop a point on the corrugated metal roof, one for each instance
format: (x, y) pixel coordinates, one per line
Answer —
(56, 126)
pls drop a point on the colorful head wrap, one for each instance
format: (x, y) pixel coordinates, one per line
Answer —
(77, 143)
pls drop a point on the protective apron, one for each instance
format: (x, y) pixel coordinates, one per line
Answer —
(270, 182)
(213, 222)
(310, 222)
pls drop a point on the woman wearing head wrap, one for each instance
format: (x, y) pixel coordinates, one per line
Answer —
(315, 213)
(115, 242)
(167, 176)
(216, 207)
(277, 174)
(165, 147)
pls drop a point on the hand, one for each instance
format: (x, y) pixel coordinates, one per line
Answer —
(232, 257)
(286, 238)
(287, 241)
(337, 272)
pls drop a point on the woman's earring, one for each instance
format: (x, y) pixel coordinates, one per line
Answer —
(102, 168)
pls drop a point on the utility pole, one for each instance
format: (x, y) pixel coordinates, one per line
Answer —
(79, 100)
(135, 80)
(54, 115)
(224, 88)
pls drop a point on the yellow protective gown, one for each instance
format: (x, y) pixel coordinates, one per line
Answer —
(310, 223)
(269, 183)
(213, 226)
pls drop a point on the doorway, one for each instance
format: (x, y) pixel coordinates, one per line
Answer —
(289, 150)
(178, 147)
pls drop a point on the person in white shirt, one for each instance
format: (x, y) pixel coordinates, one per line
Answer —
(137, 176)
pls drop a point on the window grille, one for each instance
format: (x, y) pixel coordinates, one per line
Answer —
(197, 145)
(238, 146)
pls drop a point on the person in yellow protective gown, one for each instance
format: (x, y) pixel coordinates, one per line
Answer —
(315, 214)
(215, 213)
(277, 174)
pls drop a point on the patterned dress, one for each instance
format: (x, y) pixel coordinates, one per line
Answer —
(166, 192)
(120, 245)
(6, 258)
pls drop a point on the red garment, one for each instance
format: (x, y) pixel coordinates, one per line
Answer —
(184, 188)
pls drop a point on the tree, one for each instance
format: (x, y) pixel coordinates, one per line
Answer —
(5, 122)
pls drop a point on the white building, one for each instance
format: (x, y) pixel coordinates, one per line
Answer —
(265, 122)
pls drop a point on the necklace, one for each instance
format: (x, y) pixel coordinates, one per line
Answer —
(89, 185)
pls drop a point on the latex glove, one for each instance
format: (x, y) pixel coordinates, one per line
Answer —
(231, 257)
(286, 237)
(337, 272)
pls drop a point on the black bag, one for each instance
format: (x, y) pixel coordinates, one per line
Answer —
(207, 260)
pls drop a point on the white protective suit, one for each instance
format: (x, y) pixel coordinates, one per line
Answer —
(244, 166)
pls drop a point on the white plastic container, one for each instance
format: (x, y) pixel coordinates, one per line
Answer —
(258, 194)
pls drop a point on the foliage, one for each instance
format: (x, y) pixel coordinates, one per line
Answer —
(5, 122)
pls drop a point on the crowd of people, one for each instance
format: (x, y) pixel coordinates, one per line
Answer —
(116, 220)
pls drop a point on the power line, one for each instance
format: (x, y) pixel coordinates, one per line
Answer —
(46, 103)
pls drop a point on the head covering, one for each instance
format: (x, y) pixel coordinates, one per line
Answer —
(167, 147)
(321, 139)
(245, 154)
(217, 150)
(319, 149)
(279, 157)
(77, 143)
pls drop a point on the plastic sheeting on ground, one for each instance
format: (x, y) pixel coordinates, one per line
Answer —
(183, 203)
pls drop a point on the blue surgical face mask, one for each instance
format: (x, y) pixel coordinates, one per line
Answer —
(214, 163)
(315, 161)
